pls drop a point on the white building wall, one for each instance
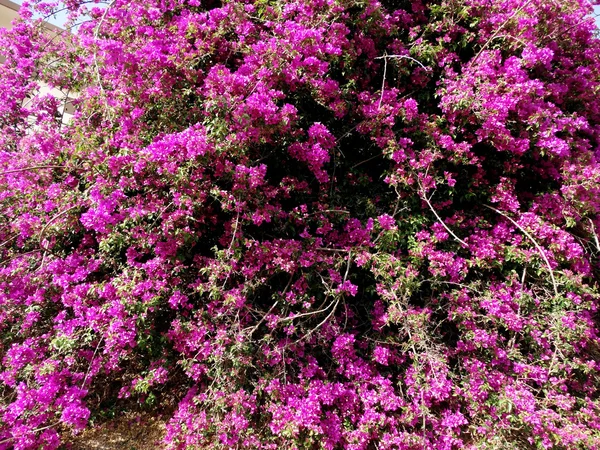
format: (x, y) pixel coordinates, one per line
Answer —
(9, 11)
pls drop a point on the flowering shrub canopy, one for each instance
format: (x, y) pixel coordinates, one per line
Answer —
(302, 224)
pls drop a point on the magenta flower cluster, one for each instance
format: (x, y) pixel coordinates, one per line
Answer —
(303, 224)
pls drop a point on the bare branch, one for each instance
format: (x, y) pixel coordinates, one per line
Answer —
(424, 197)
(24, 169)
(530, 237)
(385, 58)
(517, 11)
(594, 234)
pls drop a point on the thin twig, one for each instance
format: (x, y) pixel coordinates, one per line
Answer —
(320, 324)
(255, 327)
(96, 32)
(366, 160)
(4, 441)
(235, 228)
(336, 250)
(333, 310)
(2, 244)
(403, 57)
(310, 313)
(424, 197)
(383, 82)
(24, 169)
(349, 261)
(517, 11)
(385, 58)
(553, 36)
(91, 362)
(594, 234)
(530, 237)
(341, 211)
(12, 258)
(41, 234)
(519, 40)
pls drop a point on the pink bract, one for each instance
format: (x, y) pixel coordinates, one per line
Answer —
(303, 224)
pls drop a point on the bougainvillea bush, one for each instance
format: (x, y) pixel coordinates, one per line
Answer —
(303, 224)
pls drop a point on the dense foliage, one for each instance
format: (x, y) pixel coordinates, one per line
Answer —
(304, 223)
